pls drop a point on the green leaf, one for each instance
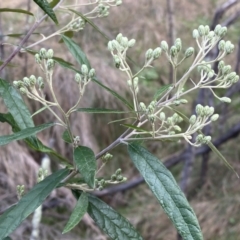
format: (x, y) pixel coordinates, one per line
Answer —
(135, 128)
(99, 110)
(8, 65)
(15, 10)
(78, 213)
(15, 105)
(110, 221)
(34, 142)
(67, 34)
(53, 3)
(123, 100)
(66, 137)
(7, 238)
(29, 202)
(161, 91)
(76, 51)
(45, 6)
(25, 133)
(164, 187)
(85, 161)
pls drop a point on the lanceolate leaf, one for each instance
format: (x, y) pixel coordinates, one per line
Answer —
(15, 105)
(76, 51)
(78, 213)
(116, 95)
(15, 10)
(30, 202)
(166, 190)
(135, 128)
(33, 142)
(99, 110)
(110, 221)
(161, 91)
(85, 161)
(25, 133)
(44, 5)
(66, 137)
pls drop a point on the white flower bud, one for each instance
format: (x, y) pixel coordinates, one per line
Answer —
(192, 119)
(142, 106)
(225, 99)
(235, 80)
(135, 82)
(177, 128)
(124, 42)
(164, 46)
(207, 29)
(211, 35)
(162, 116)
(199, 109)
(221, 45)
(110, 46)
(32, 80)
(37, 58)
(214, 117)
(131, 43)
(173, 51)
(195, 33)
(84, 70)
(178, 44)
(217, 28)
(23, 90)
(157, 52)
(201, 30)
(26, 82)
(91, 73)
(50, 53)
(189, 52)
(222, 32)
(183, 101)
(43, 53)
(78, 78)
(119, 37)
(149, 54)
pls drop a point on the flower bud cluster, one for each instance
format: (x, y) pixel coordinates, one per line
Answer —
(226, 47)
(202, 116)
(42, 173)
(201, 139)
(27, 85)
(119, 46)
(115, 178)
(78, 25)
(103, 10)
(153, 54)
(44, 54)
(106, 157)
(20, 191)
(86, 75)
(171, 123)
(227, 78)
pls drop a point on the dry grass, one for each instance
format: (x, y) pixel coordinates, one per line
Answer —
(216, 204)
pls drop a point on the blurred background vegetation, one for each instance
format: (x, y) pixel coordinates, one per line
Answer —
(211, 188)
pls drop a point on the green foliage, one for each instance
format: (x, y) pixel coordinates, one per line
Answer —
(45, 6)
(160, 116)
(86, 163)
(166, 190)
(78, 212)
(29, 202)
(111, 222)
